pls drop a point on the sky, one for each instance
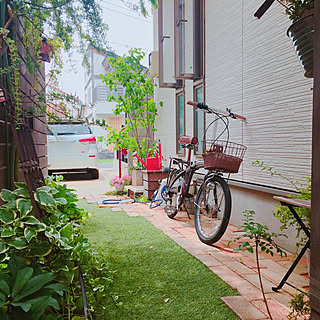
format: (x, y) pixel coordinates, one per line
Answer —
(127, 29)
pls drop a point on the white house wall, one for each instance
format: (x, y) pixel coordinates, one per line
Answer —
(252, 68)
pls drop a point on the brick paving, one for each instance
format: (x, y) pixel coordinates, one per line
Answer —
(238, 269)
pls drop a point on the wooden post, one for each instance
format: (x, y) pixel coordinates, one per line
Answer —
(315, 199)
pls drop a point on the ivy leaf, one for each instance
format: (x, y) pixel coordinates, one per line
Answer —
(29, 234)
(18, 243)
(30, 220)
(45, 199)
(61, 201)
(7, 233)
(7, 195)
(3, 248)
(42, 249)
(24, 206)
(6, 216)
(67, 231)
(22, 192)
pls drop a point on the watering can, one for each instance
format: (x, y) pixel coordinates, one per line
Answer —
(151, 163)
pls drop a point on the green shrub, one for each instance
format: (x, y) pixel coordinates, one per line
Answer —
(53, 247)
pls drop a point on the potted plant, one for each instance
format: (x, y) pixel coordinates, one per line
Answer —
(300, 12)
(119, 182)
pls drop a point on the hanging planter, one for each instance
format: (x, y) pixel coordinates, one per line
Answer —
(301, 33)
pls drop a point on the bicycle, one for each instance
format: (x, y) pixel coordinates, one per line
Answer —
(213, 201)
(179, 179)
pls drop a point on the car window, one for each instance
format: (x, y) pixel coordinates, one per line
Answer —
(68, 129)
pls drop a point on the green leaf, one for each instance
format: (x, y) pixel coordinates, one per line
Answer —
(4, 288)
(6, 216)
(3, 315)
(25, 306)
(7, 195)
(18, 243)
(16, 263)
(29, 233)
(61, 201)
(23, 276)
(22, 192)
(2, 297)
(3, 247)
(30, 220)
(20, 185)
(67, 231)
(59, 288)
(39, 227)
(24, 206)
(45, 199)
(42, 249)
(34, 285)
(250, 249)
(39, 305)
(7, 233)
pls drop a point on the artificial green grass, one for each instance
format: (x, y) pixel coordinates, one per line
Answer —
(105, 160)
(154, 277)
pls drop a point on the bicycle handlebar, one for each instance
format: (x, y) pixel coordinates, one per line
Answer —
(205, 107)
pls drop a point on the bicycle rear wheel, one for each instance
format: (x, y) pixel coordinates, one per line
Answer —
(212, 210)
(172, 193)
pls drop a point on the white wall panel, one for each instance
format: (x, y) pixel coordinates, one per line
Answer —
(251, 66)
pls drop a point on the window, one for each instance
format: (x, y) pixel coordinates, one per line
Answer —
(180, 33)
(180, 120)
(166, 36)
(199, 118)
(188, 39)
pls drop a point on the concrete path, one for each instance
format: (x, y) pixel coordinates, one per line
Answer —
(237, 269)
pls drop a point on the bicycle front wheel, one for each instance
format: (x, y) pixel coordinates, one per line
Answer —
(212, 210)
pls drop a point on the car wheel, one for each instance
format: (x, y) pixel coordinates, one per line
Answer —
(94, 173)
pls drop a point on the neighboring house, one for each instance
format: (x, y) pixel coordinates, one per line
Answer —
(96, 93)
(217, 52)
(61, 104)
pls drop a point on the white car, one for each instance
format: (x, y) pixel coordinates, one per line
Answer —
(72, 148)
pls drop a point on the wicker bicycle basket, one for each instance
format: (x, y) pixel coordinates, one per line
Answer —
(223, 155)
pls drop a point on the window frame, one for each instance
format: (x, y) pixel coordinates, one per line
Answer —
(197, 85)
(180, 92)
(161, 38)
(198, 41)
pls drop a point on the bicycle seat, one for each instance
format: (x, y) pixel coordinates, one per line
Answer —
(188, 140)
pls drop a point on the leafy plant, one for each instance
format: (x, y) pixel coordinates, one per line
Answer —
(26, 293)
(296, 8)
(259, 238)
(56, 245)
(136, 102)
(283, 213)
(300, 307)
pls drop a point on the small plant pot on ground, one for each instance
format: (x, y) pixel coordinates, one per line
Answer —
(301, 33)
(119, 187)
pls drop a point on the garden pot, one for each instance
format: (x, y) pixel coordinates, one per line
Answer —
(136, 176)
(119, 187)
(301, 33)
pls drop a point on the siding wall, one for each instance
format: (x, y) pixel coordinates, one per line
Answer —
(251, 66)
